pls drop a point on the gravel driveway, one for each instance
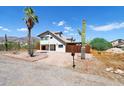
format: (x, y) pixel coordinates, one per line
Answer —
(16, 72)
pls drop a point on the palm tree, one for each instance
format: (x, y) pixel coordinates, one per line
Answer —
(30, 19)
(82, 34)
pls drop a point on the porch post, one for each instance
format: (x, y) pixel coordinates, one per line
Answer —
(49, 41)
(40, 44)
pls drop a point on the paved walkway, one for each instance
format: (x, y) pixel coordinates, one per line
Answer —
(16, 72)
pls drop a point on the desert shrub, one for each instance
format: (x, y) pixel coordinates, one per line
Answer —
(13, 45)
(100, 44)
(10, 46)
(122, 48)
(2, 47)
(24, 46)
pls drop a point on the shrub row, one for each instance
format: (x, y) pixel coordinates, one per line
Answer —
(10, 46)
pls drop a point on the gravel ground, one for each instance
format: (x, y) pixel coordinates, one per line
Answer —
(18, 73)
(62, 59)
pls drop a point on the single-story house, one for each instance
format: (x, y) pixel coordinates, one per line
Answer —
(118, 43)
(55, 41)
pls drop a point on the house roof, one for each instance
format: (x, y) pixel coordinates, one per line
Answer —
(54, 34)
(120, 42)
(117, 40)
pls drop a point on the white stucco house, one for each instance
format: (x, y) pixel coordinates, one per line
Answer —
(118, 43)
(55, 41)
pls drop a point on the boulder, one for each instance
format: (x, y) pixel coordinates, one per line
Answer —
(109, 69)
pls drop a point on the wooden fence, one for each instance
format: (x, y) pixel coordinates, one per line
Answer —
(77, 48)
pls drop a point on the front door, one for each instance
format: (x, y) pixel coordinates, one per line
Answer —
(43, 47)
(53, 47)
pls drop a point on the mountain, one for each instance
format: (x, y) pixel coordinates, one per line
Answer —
(18, 39)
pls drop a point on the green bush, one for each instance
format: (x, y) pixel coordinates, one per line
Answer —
(122, 48)
(100, 44)
(2, 47)
(11, 45)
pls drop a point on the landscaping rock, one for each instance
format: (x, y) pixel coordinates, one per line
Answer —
(118, 71)
(109, 69)
(115, 50)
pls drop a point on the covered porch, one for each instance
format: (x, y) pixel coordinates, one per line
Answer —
(51, 47)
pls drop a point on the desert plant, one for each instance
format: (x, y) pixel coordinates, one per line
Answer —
(122, 48)
(12, 45)
(100, 44)
(30, 19)
(82, 34)
(2, 47)
(19, 46)
(6, 43)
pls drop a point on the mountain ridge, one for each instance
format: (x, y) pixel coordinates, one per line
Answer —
(18, 39)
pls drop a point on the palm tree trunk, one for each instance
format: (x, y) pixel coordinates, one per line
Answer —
(82, 52)
(30, 49)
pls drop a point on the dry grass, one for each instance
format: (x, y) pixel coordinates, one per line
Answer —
(114, 60)
(110, 59)
(100, 63)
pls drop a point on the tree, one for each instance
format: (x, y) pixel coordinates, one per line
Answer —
(30, 19)
(100, 44)
(83, 36)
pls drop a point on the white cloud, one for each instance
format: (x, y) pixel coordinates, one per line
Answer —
(22, 29)
(107, 27)
(4, 29)
(73, 34)
(60, 23)
(64, 25)
(66, 31)
(68, 28)
(54, 23)
(1, 27)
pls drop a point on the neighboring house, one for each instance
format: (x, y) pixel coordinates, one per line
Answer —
(118, 43)
(55, 41)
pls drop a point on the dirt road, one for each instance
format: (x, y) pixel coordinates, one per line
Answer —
(17, 72)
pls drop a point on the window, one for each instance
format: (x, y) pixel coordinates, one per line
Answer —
(46, 38)
(42, 38)
(60, 46)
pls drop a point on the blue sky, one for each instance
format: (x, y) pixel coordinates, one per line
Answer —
(105, 22)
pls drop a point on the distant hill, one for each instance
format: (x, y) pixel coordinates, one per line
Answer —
(18, 39)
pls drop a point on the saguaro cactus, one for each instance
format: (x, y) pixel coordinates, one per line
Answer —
(83, 37)
(6, 42)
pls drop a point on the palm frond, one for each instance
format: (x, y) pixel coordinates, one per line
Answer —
(79, 32)
(25, 18)
(30, 10)
(30, 17)
(35, 18)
